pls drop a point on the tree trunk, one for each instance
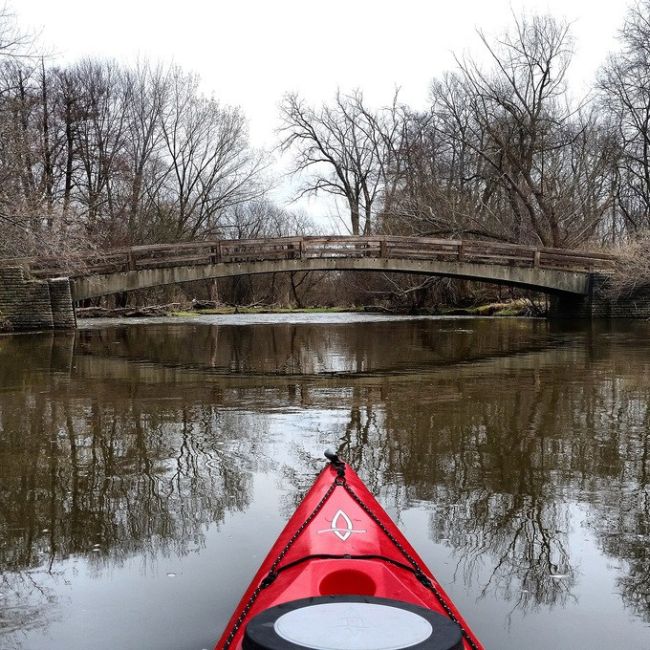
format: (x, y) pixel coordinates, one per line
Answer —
(294, 290)
(354, 216)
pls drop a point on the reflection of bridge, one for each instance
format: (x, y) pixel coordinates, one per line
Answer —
(139, 267)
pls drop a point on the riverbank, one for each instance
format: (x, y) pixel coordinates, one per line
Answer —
(179, 310)
(520, 307)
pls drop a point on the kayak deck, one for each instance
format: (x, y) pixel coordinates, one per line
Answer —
(340, 542)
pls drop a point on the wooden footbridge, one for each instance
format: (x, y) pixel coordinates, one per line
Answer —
(549, 270)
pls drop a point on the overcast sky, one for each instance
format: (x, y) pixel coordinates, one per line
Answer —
(249, 52)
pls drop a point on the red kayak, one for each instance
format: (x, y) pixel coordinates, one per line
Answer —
(341, 576)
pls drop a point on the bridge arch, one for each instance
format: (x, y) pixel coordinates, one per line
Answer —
(544, 280)
(574, 278)
(540, 269)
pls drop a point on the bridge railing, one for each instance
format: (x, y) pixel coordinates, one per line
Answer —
(286, 248)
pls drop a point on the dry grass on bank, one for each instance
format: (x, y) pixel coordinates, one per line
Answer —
(632, 269)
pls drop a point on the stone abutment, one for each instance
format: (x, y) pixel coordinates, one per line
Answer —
(27, 304)
(599, 303)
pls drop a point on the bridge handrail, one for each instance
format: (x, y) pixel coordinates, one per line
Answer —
(376, 246)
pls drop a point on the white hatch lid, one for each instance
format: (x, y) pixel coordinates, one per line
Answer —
(353, 626)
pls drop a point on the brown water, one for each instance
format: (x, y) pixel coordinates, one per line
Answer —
(146, 468)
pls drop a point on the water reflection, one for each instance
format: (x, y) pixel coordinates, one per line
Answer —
(319, 349)
(134, 441)
(92, 471)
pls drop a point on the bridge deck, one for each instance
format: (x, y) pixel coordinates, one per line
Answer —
(139, 267)
(333, 247)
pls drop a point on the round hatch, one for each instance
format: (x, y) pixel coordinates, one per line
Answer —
(351, 623)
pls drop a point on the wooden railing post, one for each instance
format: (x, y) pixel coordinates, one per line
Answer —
(131, 261)
(536, 258)
(461, 252)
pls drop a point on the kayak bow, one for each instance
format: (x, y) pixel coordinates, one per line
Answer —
(341, 576)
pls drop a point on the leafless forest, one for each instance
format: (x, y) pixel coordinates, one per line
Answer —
(98, 154)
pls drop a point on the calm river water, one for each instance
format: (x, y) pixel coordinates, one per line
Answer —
(146, 468)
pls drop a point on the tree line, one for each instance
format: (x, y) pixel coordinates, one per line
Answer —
(504, 151)
(100, 154)
(112, 155)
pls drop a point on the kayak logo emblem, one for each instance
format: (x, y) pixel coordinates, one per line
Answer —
(341, 526)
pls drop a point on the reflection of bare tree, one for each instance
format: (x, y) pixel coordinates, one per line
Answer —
(93, 472)
(133, 448)
(24, 605)
(530, 559)
(504, 468)
(622, 520)
(626, 535)
(503, 471)
(486, 469)
(358, 436)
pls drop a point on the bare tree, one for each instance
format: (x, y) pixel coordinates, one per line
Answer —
(262, 218)
(102, 154)
(342, 149)
(519, 117)
(14, 42)
(149, 94)
(207, 165)
(624, 86)
(442, 187)
(104, 98)
(502, 153)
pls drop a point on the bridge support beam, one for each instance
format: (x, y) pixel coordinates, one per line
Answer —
(528, 278)
(34, 304)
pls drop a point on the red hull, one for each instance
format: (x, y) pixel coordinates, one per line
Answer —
(339, 517)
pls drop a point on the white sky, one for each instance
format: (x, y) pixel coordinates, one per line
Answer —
(250, 52)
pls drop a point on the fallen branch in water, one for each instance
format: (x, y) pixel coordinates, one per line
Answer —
(128, 312)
